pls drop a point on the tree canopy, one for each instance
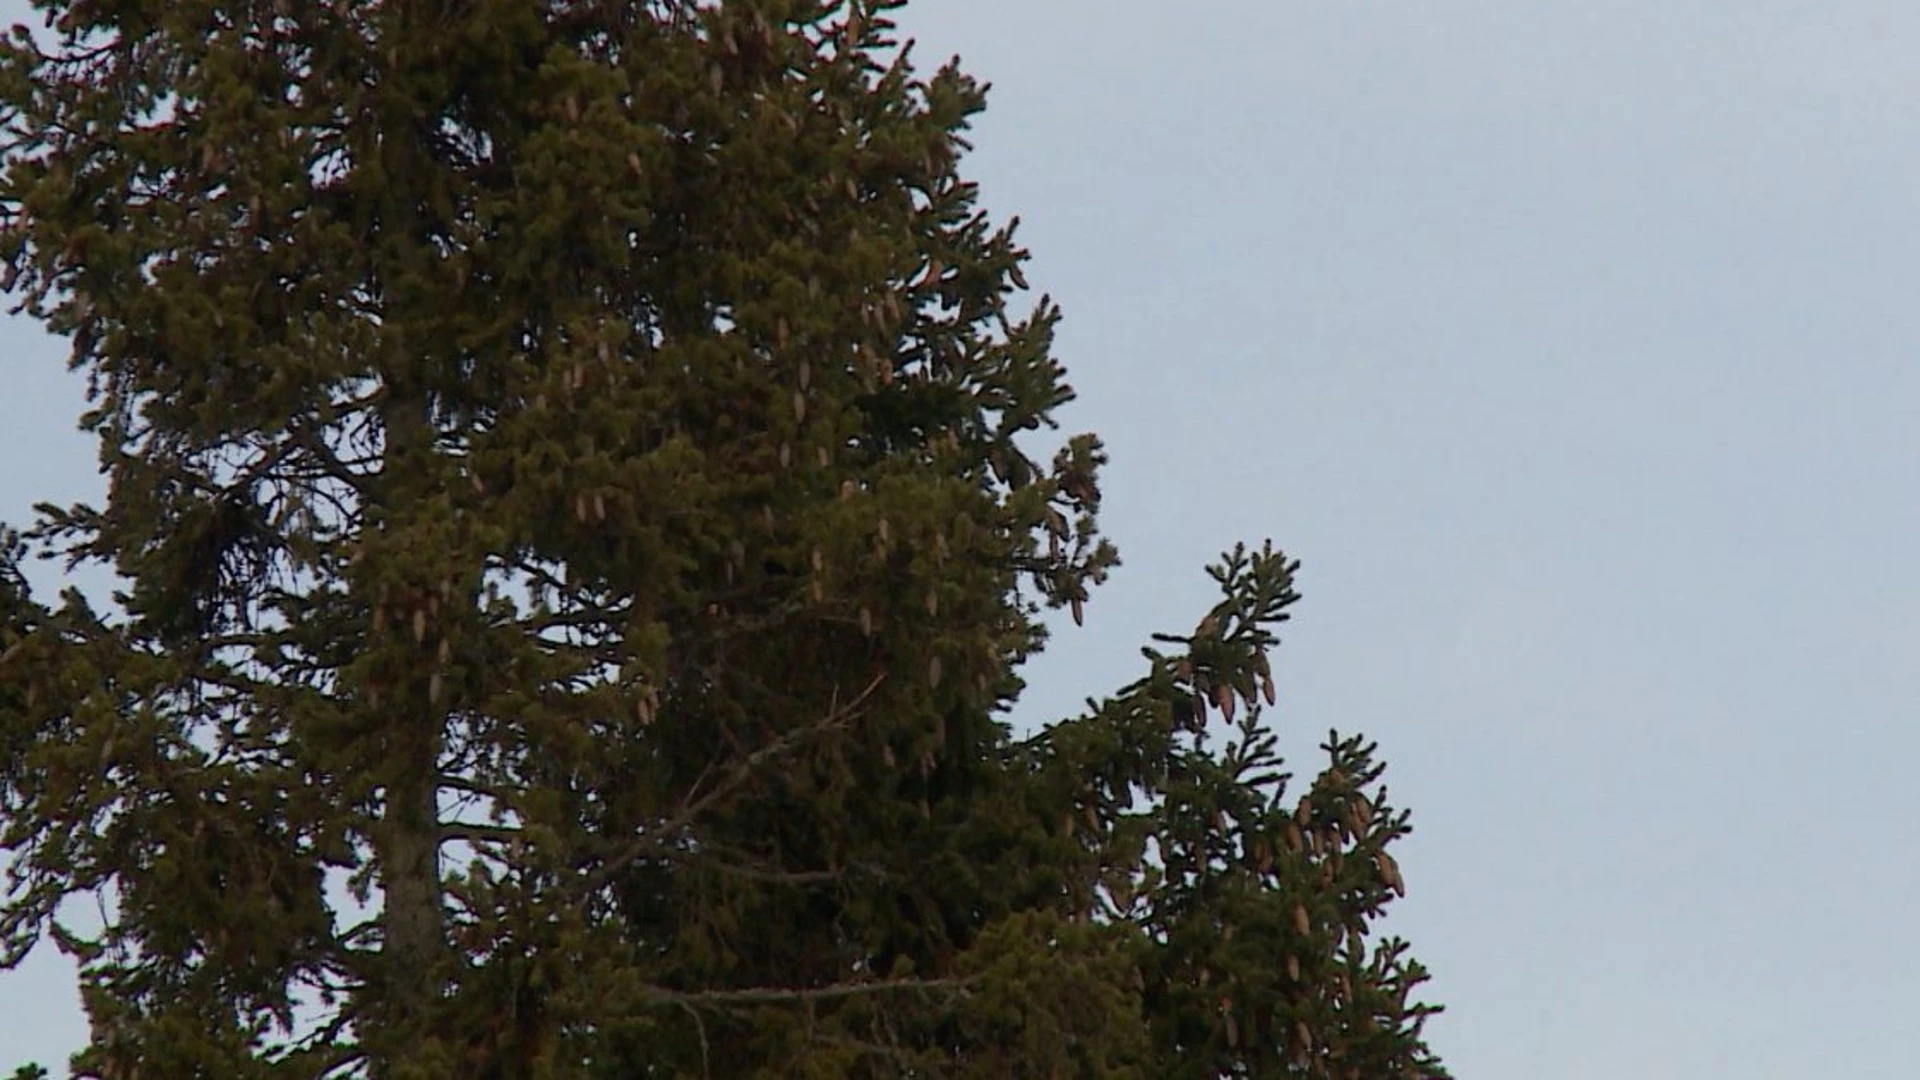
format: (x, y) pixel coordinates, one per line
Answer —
(573, 483)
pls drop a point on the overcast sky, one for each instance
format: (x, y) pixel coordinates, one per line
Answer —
(1571, 346)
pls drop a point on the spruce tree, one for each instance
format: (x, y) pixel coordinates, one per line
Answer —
(572, 480)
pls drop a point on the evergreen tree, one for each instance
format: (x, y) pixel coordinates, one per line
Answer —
(570, 473)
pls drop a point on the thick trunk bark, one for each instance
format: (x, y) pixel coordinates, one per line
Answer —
(407, 841)
(412, 918)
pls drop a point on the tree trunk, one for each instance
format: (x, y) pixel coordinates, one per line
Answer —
(413, 936)
(407, 844)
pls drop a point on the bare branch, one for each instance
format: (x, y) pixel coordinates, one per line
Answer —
(774, 995)
(473, 832)
(326, 460)
(736, 777)
(779, 877)
(472, 787)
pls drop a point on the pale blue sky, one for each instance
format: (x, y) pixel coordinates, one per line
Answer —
(1573, 349)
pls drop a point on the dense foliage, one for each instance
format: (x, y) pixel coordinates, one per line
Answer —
(570, 473)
